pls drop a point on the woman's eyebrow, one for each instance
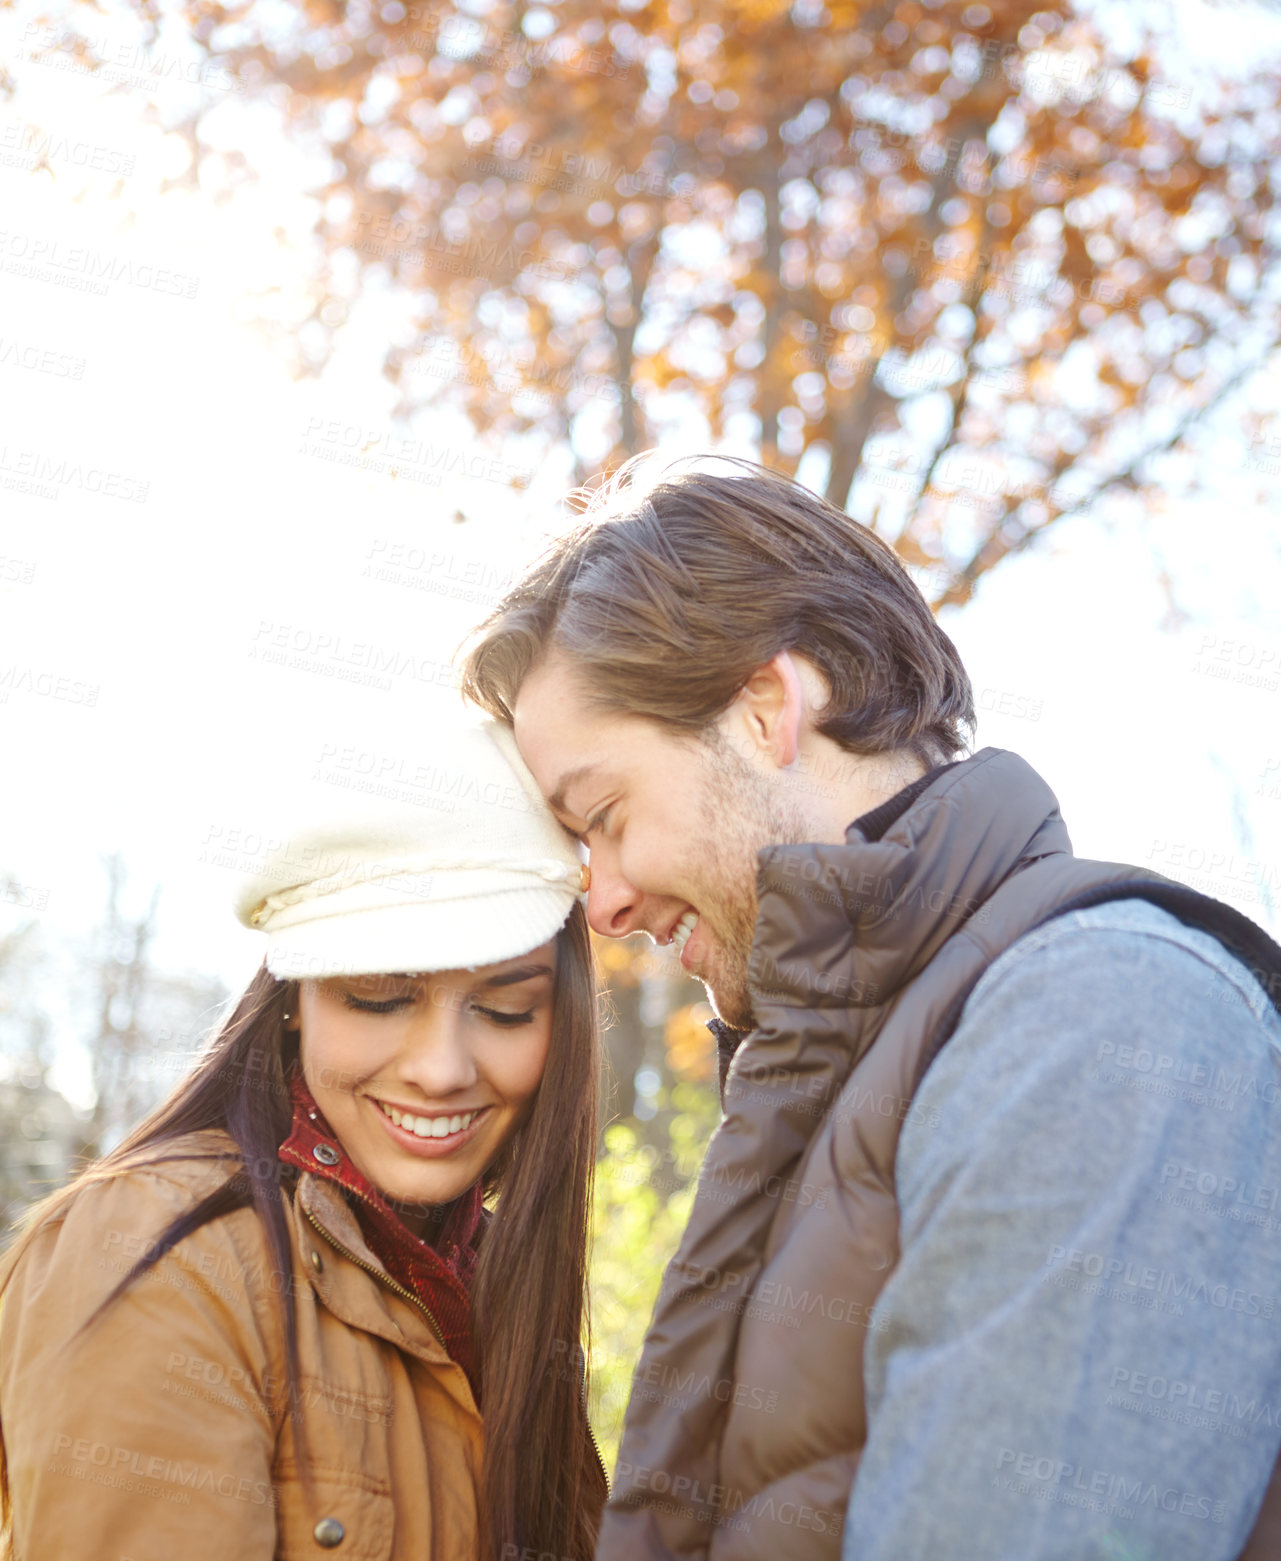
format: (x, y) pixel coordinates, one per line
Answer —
(521, 973)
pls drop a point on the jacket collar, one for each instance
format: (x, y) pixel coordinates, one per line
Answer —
(850, 925)
(312, 1145)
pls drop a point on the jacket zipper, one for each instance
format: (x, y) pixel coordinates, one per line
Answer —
(382, 1277)
(596, 1449)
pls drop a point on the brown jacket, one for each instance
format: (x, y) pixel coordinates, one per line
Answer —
(747, 1418)
(161, 1432)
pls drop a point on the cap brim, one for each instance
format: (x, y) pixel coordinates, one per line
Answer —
(446, 935)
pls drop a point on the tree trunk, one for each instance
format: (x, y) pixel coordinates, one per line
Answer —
(624, 1051)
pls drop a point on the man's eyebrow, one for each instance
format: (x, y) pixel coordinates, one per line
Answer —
(521, 973)
(556, 802)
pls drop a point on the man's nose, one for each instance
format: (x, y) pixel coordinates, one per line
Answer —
(612, 903)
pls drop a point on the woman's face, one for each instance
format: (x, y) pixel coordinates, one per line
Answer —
(424, 1078)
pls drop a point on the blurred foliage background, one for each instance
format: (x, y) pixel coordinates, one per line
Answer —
(818, 219)
(971, 266)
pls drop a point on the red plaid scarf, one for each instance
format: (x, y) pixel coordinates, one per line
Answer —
(441, 1274)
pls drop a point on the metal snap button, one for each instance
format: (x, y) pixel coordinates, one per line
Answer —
(326, 1154)
(328, 1533)
(315, 1260)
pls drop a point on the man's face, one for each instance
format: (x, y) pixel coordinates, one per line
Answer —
(673, 825)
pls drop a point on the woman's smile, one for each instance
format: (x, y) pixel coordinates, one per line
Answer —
(430, 1135)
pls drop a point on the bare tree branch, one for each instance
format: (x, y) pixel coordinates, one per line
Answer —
(1000, 545)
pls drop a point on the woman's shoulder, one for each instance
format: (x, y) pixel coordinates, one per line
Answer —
(121, 1211)
(158, 1180)
(100, 1292)
(193, 1163)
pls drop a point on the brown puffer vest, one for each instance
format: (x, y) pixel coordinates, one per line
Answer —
(747, 1417)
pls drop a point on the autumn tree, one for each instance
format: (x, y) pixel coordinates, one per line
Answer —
(975, 265)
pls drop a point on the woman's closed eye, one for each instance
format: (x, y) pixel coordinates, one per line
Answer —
(503, 1018)
(369, 1005)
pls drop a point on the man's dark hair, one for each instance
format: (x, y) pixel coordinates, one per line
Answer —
(668, 595)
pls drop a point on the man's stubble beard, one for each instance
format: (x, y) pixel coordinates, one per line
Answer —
(739, 814)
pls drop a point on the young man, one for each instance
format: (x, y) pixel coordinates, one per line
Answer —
(984, 1260)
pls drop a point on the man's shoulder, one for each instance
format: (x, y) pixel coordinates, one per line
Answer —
(1130, 941)
(1112, 1014)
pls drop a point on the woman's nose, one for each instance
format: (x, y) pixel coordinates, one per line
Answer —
(437, 1053)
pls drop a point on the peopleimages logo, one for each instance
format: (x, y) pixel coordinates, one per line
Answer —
(40, 360)
(25, 146)
(689, 1385)
(1099, 1485)
(47, 259)
(1121, 1279)
(122, 1461)
(1181, 1394)
(329, 654)
(56, 473)
(1191, 1178)
(120, 60)
(1213, 1078)
(16, 678)
(716, 1504)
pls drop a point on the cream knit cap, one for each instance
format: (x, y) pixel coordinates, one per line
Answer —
(481, 872)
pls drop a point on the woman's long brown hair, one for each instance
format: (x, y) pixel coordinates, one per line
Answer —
(543, 1486)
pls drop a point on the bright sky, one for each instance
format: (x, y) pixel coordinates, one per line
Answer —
(189, 593)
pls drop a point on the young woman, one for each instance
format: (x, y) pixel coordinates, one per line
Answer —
(330, 1294)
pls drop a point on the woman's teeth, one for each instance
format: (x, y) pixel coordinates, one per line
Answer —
(429, 1127)
(682, 930)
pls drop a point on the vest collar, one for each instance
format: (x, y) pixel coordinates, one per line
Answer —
(850, 925)
(872, 825)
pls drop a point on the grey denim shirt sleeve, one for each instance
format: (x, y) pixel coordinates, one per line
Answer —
(1079, 1354)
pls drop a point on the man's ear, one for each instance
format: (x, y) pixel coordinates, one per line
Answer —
(771, 708)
